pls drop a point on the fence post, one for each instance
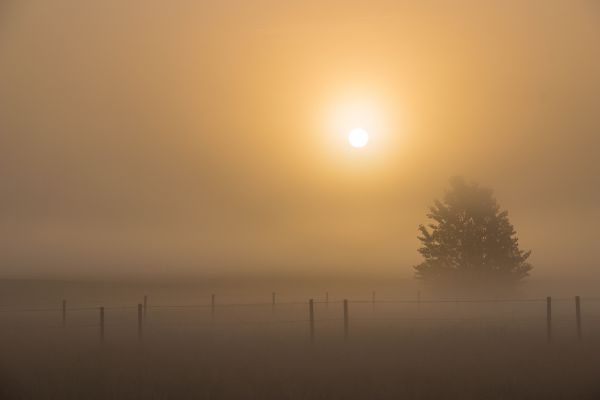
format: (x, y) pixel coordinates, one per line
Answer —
(311, 315)
(373, 300)
(212, 306)
(549, 318)
(145, 306)
(418, 300)
(102, 324)
(273, 299)
(578, 316)
(346, 319)
(64, 313)
(140, 325)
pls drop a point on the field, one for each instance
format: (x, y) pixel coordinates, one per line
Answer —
(246, 348)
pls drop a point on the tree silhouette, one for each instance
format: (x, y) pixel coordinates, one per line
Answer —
(470, 240)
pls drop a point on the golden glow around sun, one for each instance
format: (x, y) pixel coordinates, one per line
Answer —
(358, 138)
(358, 121)
(358, 132)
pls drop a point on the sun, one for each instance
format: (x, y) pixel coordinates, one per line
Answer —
(358, 137)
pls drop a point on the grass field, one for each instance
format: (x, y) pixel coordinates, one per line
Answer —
(248, 349)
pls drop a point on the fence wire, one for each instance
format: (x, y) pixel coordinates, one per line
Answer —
(112, 315)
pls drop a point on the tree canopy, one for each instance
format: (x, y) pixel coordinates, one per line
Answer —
(470, 240)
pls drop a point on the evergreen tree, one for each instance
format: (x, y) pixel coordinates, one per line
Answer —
(470, 240)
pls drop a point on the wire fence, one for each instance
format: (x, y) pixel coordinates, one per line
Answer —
(145, 316)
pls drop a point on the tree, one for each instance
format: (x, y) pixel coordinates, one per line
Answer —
(470, 240)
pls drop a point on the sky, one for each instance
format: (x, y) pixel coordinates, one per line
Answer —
(185, 138)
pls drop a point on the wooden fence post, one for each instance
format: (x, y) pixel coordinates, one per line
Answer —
(273, 300)
(418, 300)
(311, 315)
(145, 306)
(346, 319)
(102, 324)
(64, 313)
(212, 306)
(139, 325)
(373, 300)
(578, 316)
(549, 318)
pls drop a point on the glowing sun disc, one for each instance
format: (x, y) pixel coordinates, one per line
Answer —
(358, 138)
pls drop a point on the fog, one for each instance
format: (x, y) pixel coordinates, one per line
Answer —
(152, 139)
(182, 215)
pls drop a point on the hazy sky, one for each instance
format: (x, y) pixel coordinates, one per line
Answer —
(150, 137)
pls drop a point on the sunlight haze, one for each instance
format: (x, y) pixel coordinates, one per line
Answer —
(189, 138)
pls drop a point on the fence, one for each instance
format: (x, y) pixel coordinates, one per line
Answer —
(311, 318)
